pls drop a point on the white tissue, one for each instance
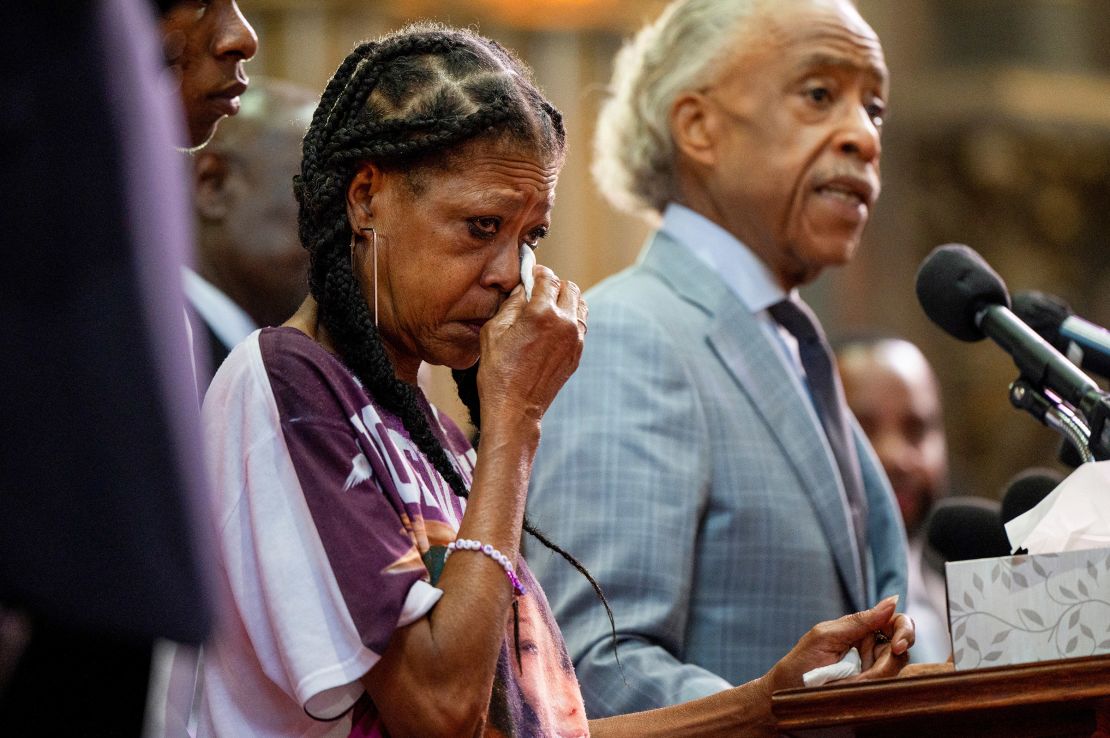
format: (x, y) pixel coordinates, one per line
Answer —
(1075, 516)
(527, 262)
(849, 665)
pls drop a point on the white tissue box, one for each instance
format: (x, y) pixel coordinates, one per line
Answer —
(1018, 609)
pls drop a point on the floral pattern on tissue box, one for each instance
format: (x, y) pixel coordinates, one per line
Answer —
(1018, 609)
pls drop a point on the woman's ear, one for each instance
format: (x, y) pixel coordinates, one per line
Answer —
(366, 183)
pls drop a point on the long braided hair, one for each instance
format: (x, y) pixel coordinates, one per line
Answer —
(404, 102)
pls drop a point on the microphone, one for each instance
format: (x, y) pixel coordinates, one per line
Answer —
(1026, 490)
(1086, 344)
(962, 294)
(964, 528)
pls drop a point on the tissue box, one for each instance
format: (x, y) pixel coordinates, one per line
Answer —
(1017, 609)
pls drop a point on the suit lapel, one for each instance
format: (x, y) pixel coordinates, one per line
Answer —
(745, 352)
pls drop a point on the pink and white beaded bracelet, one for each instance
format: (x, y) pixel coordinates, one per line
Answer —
(463, 544)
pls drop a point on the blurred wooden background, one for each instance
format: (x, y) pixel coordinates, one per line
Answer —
(999, 137)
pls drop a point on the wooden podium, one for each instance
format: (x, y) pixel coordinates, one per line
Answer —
(1049, 698)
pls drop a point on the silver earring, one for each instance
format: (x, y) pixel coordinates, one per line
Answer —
(374, 248)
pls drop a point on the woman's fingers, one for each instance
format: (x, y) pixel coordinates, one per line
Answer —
(512, 307)
(532, 346)
(897, 634)
(547, 284)
(859, 626)
(867, 648)
(564, 295)
(884, 651)
(886, 664)
(903, 635)
(826, 643)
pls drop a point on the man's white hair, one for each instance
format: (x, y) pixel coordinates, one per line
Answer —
(633, 150)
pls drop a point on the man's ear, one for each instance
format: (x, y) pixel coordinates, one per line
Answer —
(693, 128)
(366, 183)
(211, 194)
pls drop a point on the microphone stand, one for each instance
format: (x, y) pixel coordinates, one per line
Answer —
(1042, 366)
(1056, 414)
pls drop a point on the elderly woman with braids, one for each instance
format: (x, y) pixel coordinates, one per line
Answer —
(370, 556)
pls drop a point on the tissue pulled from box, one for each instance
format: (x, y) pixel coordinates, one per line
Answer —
(1073, 517)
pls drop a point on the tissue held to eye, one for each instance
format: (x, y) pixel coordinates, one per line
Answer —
(527, 263)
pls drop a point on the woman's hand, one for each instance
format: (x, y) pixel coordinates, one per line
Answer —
(746, 710)
(529, 349)
(881, 655)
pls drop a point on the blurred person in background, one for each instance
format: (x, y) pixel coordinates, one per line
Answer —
(101, 460)
(893, 392)
(250, 267)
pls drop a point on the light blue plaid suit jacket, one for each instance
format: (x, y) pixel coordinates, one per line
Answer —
(682, 465)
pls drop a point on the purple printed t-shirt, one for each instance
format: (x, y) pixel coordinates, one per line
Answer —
(332, 526)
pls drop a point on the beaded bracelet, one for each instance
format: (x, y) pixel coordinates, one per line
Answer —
(464, 544)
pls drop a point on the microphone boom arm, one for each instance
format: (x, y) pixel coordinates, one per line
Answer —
(1036, 361)
(1054, 413)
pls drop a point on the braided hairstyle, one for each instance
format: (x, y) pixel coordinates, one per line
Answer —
(406, 102)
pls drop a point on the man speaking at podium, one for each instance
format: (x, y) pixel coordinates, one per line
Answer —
(702, 462)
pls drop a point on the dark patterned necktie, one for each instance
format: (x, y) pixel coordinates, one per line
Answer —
(828, 398)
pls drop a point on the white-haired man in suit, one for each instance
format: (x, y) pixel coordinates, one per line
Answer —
(702, 462)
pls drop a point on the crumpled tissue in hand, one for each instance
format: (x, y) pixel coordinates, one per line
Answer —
(849, 665)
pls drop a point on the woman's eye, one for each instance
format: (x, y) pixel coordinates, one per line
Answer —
(484, 227)
(529, 647)
(533, 239)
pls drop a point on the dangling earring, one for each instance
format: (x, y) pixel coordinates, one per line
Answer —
(374, 248)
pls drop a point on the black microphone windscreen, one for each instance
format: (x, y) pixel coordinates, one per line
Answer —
(964, 528)
(953, 284)
(1026, 490)
(1043, 313)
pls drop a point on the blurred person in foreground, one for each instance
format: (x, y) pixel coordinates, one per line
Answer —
(369, 553)
(702, 461)
(893, 392)
(101, 461)
(96, 553)
(250, 267)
